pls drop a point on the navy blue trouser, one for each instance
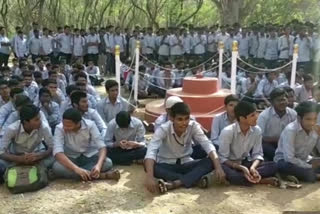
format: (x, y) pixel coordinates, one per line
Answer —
(126, 157)
(269, 150)
(303, 174)
(188, 173)
(236, 177)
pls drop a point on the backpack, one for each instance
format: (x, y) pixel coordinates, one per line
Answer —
(20, 179)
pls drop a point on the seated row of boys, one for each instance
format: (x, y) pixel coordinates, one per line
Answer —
(80, 151)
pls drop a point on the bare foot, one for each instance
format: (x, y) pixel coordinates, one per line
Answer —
(270, 181)
(139, 162)
(110, 175)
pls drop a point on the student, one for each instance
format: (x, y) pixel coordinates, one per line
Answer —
(224, 119)
(77, 45)
(30, 86)
(304, 92)
(285, 45)
(265, 87)
(118, 39)
(296, 143)
(82, 77)
(23, 141)
(64, 42)
(271, 50)
(162, 119)
(304, 52)
(168, 155)
(163, 42)
(110, 106)
(46, 45)
(241, 152)
(291, 97)
(34, 45)
(53, 75)
(20, 46)
(4, 48)
(49, 108)
(148, 44)
(94, 73)
(273, 120)
(92, 44)
(125, 139)
(4, 92)
(249, 86)
(79, 150)
(79, 101)
(244, 45)
(56, 94)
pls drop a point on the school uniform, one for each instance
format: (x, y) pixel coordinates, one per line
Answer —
(218, 124)
(271, 52)
(115, 134)
(94, 116)
(163, 42)
(94, 74)
(244, 149)
(171, 154)
(46, 47)
(108, 110)
(246, 84)
(34, 45)
(2, 102)
(253, 45)
(176, 47)
(285, 46)
(212, 44)
(66, 104)
(186, 43)
(148, 46)
(199, 43)
(272, 125)
(304, 51)
(244, 47)
(93, 50)
(53, 116)
(4, 50)
(81, 147)
(110, 65)
(165, 82)
(20, 47)
(64, 42)
(265, 88)
(5, 112)
(294, 150)
(122, 42)
(18, 142)
(262, 40)
(302, 94)
(78, 46)
(32, 90)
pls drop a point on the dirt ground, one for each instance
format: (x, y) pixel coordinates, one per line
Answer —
(128, 196)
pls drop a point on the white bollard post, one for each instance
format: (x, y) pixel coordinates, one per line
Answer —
(136, 75)
(294, 66)
(221, 49)
(117, 59)
(234, 67)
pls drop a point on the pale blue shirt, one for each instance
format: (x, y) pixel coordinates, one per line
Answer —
(219, 122)
(23, 142)
(271, 124)
(32, 91)
(302, 94)
(94, 116)
(295, 145)
(236, 146)
(86, 141)
(265, 88)
(5, 112)
(108, 111)
(166, 146)
(54, 117)
(115, 134)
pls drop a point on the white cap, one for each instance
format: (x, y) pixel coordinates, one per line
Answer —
(172, 100)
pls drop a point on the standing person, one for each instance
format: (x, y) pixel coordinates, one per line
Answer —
(46, 45)
(92, 44)
(304, 41)
(163, 42)
(271, 51)
(102, 50)
(149, 44)
(4, 47)
(64, 42)
(254, 44)
(244, 44)
(262, 40)
(78, 45)
(20, 45)
(186, 43)
(119, 39)
(199, 43)
(176, 46)
(285, 45)
(34, 45)
(109, 40)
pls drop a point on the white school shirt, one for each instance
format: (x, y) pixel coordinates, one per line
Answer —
(222, 38)
(176, 47)
(316, 49)
(119, 40)
(198, 43)
(304, 54)
(148, 44)
(212, 45)
(20, 47)
(107, 40)
(186, 43)
(253, 45)
(262, 40)
(4, 49)
(244, 47)
(46, 43)
(78, 43)
(285, 46)
(34, 46)
(163, 44)
(65, 43)
(132, 46)
(271, 49)
(93, 38)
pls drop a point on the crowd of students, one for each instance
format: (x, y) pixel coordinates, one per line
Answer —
(51, 114)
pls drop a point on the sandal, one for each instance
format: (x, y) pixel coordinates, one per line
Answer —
(162, 186)
(206, 180)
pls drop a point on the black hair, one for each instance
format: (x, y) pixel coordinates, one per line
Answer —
(15, 91)
(123, 119)
(52, 73)
(4, 82)
(43, 91)
(277, 92)
(37, 74)
(71, 88)
(243, 109)
(307, 77)
(306, 107)
(22, 100)
(28, 112)
(288, 89)
(179, 109)
(72, 114)
(18, 78)
(231, 98)
(80, 74)
(110, 83)
(27, 74)
(76, 97)
(13, 83)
